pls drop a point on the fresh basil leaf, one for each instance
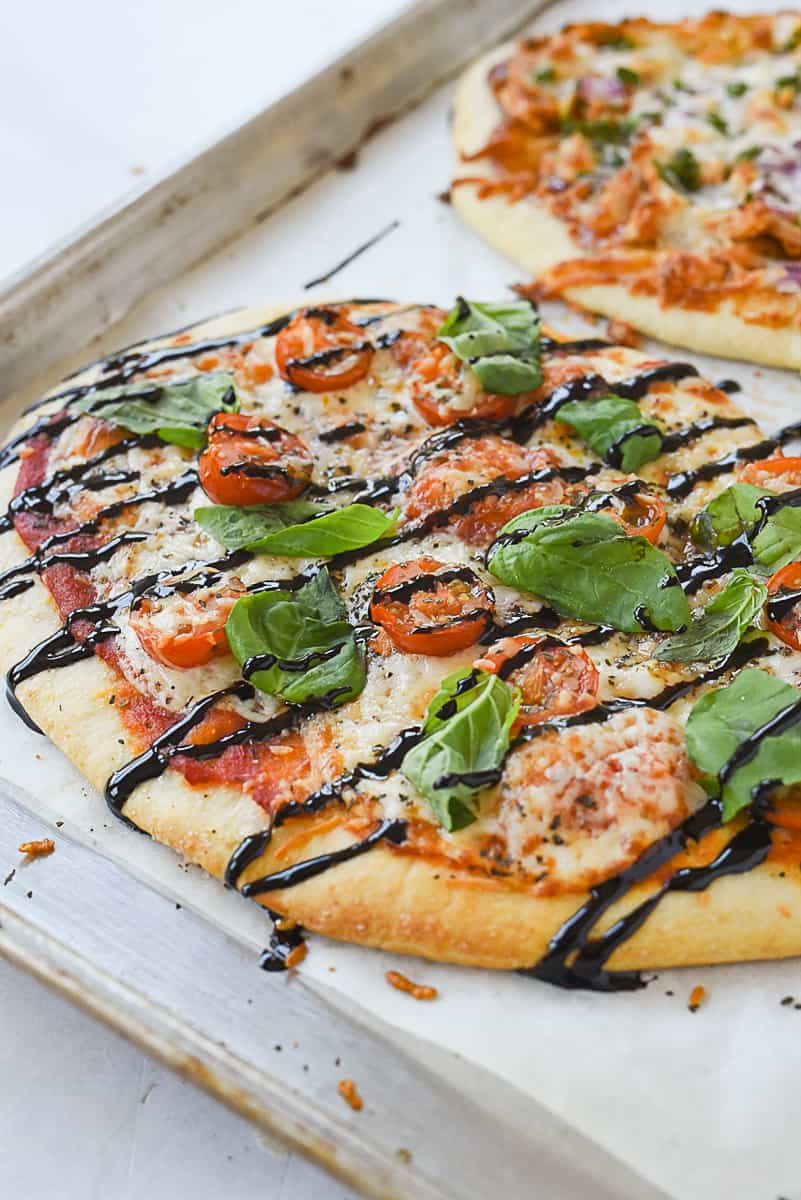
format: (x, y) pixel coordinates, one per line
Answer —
(466, 737)
(615, 429)
(731, 513)
(584, 565)
(724, 621)
(309, 649)
(177, 412)
(718, 122)
(681, 171)
(627, 76)
(296, 528)
(749, 154)
(545, 74)
(736, 88)
(779, 540)
(500, 342)
(605, 131)
(725, 718)
(236, 526)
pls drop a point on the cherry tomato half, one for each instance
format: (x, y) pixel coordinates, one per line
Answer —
(784, 604)
(321, 350)
(250, 460)
(429, 607)
(471, 465)
(639, 511)
(767, 472)
(555, 680)
(444, 390)
(184, 631)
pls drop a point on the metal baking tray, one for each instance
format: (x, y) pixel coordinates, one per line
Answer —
(170, 981)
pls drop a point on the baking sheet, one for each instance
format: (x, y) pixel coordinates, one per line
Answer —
(703, 1104)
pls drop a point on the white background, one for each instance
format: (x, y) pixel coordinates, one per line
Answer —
(96, 99)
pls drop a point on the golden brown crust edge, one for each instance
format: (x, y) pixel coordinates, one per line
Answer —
(386, 898)
(532, 238)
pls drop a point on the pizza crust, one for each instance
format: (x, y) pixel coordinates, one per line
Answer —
(387, 898)
(534, 239)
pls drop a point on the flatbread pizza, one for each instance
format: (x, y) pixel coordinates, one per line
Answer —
(650, 172)
(427, 630)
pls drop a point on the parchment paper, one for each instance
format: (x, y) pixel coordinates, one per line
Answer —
(705, 1104)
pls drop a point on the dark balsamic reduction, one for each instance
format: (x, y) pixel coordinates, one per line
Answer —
(682, 437)
(389, 830)
(683, 482)
(285, 938)
(782, 603)
(341, 433)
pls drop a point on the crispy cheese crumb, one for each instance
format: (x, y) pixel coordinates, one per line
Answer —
(350, 1094)
(697, 998)
(38, 849)
(296, 956)
(417, 990)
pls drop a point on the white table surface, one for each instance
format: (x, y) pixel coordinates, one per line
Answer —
(94, 97)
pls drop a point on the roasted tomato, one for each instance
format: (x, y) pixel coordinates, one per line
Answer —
(321, 350)
(639, 510)
(429, 607)
(445, 390)
(484, 482)
(773, 472)
(555, 680)
(784, 604)
(250, 460)
(184, 631)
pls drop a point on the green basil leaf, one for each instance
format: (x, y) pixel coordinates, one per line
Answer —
(681, 171)
(779, 540)
(236, 526)
(177, 412)
(466, 733)
(724, 621)
(731, 513)
(737, 88)
(295, 529)
(725, 718)
(314, 653)
(615, 429)
(584, 565)
(627, 76)
(500, 342)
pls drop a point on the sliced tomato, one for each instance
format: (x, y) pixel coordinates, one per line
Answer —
(451, 483)
(444, 390)
(184, 631)
(767, 472)
(639, 511)
(429, 607)
(250, 460)
(555, 679)
(414, 342)
(321, 350)
(784, 604)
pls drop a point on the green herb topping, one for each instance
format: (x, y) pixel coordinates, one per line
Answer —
(721, 626)
(614, 428)
(587, 567)
(296, 528)
(746, 735)
(176, 412)
(298, 644)
(465, 739)
(500, 342)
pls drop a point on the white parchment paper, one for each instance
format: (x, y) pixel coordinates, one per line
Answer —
(705, 1104)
